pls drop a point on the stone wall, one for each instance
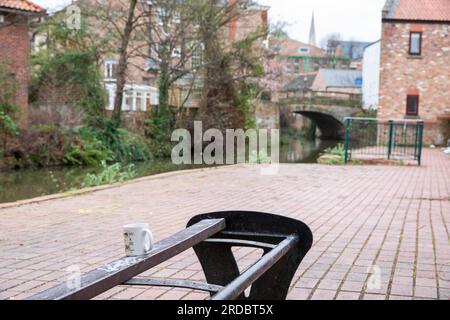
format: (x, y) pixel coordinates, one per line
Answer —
(267, 115)
(428, 74)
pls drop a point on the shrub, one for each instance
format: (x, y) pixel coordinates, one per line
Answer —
(93, 145)
(86, 149)
(8, 127)
(109, 175)
(124, 145)
(339, 150)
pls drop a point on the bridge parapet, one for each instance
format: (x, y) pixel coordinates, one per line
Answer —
(335, 99)
(327, 111)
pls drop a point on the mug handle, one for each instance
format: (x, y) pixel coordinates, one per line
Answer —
(148, 244)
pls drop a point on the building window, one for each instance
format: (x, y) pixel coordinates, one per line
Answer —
(306, 65)
(197, 56)
(128, 99)
(2, 19)
(162, 16)
(415, 43)
(296, 67)
(135, 98)
(412, 105)
(111, 69)
(176, 53)
(288, 68)
(303, 50)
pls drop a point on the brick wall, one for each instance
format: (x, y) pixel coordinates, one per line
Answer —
(14, 52)
(428, 74)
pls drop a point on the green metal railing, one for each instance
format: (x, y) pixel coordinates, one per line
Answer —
(368, 138)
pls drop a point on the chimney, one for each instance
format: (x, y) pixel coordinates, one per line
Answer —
(388, 8)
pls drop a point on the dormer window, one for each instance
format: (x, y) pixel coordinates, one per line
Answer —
(415, 43)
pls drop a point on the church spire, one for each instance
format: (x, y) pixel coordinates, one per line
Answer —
(312, 32)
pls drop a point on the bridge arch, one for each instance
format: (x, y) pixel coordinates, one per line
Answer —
(330, 119)
(329, 126)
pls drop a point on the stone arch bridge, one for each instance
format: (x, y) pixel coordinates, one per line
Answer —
(328, 116)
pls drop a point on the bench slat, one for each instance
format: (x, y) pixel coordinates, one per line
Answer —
(116, 273)
(174, 283)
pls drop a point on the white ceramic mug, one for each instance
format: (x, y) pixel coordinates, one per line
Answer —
(138, 239)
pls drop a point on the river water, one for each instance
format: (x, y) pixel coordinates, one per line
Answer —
(30, 183)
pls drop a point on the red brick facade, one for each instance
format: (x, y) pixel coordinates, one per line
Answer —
(14, 53)
(425, 75)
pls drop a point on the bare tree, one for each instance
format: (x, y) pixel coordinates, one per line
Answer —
(230, 65)
(330, 43)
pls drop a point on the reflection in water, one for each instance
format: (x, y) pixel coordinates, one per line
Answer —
(304, 151)
(31, 183)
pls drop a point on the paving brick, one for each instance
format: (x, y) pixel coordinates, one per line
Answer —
(353, 286)
(299, 294)
(320, 294)
(353, 228)
(173, 295)
(374, 297)
(425, 292)
(345, 295)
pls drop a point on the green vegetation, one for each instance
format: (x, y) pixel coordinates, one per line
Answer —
(339, 150)
(370, 113)
(109, 175)
(93, 146)
(334, 155)
(87, 149)
(159, 127)
(245, 101)
(289, 133)
(70, 65)
(73, 72)
(8, 110)
(8, 126)
(331, 160)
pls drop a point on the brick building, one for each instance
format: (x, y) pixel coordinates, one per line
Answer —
(15, 46)
(415, 65)
(143, 69)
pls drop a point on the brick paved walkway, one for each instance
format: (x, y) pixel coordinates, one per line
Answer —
(397, 218)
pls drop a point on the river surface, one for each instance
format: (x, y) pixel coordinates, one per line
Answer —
(30, 183)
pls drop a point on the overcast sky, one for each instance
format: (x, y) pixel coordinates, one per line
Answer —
(354, 19)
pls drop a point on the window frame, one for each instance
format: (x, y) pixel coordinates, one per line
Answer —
(296, 67)
(304, 50)
(411, 33)
(109, 69)
(412, 96)
(197, 56)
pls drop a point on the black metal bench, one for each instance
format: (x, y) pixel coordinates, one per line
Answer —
(284, 242)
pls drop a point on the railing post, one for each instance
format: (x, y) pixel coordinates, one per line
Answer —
(421, 126)
(348, 122)
(391, 135)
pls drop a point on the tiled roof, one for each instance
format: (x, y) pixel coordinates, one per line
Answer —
(299, 83)
(22, 5)
(421, 10)
(290, 47)
(340, 78)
